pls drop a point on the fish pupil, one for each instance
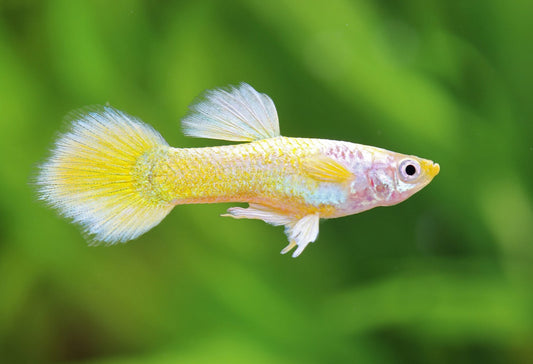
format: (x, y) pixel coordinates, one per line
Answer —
(410, 170)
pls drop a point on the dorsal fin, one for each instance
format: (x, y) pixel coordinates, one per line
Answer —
(239, 114)
(326, 169)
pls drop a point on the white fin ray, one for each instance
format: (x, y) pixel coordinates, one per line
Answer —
(301, 233)
(259, 212)
(240, 114)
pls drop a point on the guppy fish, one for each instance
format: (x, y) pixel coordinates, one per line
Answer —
(118, 178)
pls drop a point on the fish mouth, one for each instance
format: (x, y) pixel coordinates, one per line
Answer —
(430, 169)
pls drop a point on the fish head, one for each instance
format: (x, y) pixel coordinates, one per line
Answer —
(399, 176)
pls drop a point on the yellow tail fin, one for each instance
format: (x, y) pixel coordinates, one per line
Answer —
(90, 176)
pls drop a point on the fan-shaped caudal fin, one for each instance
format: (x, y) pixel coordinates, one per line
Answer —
(238, 114)
(91, 175)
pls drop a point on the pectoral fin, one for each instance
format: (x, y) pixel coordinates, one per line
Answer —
(326, 169)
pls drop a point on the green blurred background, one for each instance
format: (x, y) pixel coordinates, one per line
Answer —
(443, 277)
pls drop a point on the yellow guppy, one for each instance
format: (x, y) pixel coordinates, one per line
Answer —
(117, 177)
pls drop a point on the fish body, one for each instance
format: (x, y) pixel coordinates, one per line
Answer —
(274, 172)
(118, 177)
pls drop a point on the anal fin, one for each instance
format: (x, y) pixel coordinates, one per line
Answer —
(301, 233)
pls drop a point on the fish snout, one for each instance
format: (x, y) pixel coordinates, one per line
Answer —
(431, 169)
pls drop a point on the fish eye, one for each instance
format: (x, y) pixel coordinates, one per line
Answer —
(409, 170)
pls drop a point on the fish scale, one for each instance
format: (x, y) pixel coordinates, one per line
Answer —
(266, 170)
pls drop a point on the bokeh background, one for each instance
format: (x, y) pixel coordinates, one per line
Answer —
(446, 276)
